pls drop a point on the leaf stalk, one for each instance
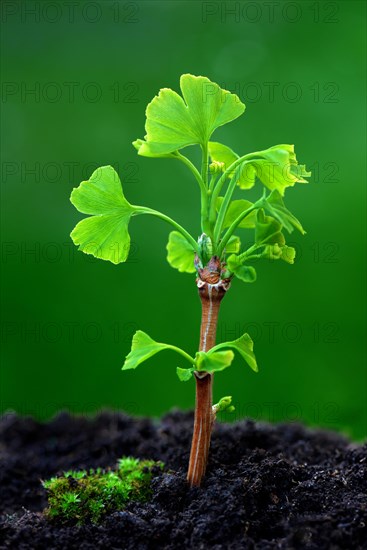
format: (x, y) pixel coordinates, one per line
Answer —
(190, 239)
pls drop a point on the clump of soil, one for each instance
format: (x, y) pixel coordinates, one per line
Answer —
(267, 487)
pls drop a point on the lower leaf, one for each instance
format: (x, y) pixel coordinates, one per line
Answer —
(244, 346)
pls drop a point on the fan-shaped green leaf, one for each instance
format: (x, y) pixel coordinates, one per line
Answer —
(244, 346)
(236, 208)
(268, 230)
(174, 122)
(104, 234)
(180, 254)
(221, 154)
(184, 374)
(223, 157)
(277, 168)
(143, 347)
(245, 273)
(213, 361)
(140, 146)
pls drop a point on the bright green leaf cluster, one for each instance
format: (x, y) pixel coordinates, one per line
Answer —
(276, 167)
(105, 233)
(215, 360)
(81, 496)
(173, 122)
(269, 239)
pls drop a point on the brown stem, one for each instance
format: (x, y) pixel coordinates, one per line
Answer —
(211, 291)
(203, 425)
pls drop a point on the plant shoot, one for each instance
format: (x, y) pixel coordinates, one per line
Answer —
(173, 123)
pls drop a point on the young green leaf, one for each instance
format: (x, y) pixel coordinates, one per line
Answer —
(184, 374)
(233, 245)
(205, 248)
(180, 254)
(213, 361)
(223, 157)
(105, 233)
(207, 362)
(140, 146)
(244, 346)
(234, 210)
(268, 230)
(224, 405)
(245, 273)
(143, 347)
(276, 252)
(275, 206)
(277, 168)
(221, 154)
(174, 122)
(272, 252)
(288, 254)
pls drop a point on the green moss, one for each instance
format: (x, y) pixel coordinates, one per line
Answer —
(81, 496)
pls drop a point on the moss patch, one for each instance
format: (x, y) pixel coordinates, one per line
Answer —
(80, 496)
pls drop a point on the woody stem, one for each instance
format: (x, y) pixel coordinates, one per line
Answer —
(211, 296)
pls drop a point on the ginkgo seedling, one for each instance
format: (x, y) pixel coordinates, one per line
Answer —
(174, 122)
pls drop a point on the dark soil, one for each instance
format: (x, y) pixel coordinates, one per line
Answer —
(267, 487)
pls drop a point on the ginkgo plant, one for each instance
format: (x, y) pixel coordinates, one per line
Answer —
(174, 122)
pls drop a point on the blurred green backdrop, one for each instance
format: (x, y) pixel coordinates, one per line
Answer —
(76, 78)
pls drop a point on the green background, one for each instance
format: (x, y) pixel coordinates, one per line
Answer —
(67, 319)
